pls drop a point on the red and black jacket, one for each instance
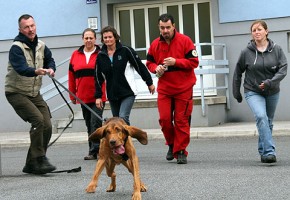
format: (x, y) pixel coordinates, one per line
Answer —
(81, 76)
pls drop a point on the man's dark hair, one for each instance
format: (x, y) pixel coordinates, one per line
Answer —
(110, 29)
(25, 16)
(166, 17)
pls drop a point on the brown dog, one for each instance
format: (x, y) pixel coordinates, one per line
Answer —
(117, 147)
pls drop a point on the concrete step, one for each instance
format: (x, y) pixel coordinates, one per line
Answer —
(78, 124)
(145, 115)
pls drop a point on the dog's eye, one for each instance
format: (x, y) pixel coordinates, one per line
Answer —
(120, 134)
(107, 132)
(117, 129)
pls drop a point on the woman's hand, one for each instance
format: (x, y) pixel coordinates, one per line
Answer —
(74, 101)
(99, 103)
(262, 86)
(151, 89)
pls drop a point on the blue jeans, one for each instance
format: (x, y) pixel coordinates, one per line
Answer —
(263, 108)
(122, 108)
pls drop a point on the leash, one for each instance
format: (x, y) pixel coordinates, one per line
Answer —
(78, 99)
(73, 114)
(74, 170)
(78, 169)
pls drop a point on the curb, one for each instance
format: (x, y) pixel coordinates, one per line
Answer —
(281, 128)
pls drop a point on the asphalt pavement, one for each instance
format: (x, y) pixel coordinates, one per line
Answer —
(223, 164)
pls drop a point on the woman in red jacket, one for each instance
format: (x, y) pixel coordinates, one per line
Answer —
(81, 77)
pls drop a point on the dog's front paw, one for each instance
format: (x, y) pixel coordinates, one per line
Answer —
(111, 188)
(91, 188)
(136, 196)
(143, 188)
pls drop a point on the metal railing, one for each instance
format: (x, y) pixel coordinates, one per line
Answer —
(224, 70)
(50, 91)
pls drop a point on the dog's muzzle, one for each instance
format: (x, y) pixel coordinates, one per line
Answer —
(117, 150)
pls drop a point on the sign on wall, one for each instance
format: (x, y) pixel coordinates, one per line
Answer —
(91, 1)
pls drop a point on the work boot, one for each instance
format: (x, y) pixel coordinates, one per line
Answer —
(181, 158)
(169, 155)
(41, 165)
(27, 168)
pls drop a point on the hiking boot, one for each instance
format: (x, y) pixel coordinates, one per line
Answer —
(28, 169)
(181, 158)
(169, 155)
(268, 159)
(41, 165)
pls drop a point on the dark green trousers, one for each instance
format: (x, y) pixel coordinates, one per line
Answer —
(35, 111)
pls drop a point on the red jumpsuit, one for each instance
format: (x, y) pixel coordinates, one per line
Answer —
(175, 88)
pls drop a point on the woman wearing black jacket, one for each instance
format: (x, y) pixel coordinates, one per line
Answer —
(116, 64)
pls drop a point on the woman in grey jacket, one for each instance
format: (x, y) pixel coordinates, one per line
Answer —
(265, 65)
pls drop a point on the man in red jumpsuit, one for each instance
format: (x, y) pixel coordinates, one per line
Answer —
(173, 58)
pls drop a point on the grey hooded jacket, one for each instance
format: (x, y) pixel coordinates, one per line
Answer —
(269, 67)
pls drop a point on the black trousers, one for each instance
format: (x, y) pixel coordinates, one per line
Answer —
(92, 123)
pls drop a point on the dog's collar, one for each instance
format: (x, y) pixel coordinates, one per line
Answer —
(124, 155)
(125, 140)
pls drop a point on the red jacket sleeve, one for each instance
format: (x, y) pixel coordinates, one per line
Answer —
(71, 79)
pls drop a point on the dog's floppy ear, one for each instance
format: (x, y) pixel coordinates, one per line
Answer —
(98, 134)
(137, 133)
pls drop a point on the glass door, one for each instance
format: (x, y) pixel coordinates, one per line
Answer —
(137, 25)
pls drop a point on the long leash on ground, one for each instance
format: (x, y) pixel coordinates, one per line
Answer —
(78, 169)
